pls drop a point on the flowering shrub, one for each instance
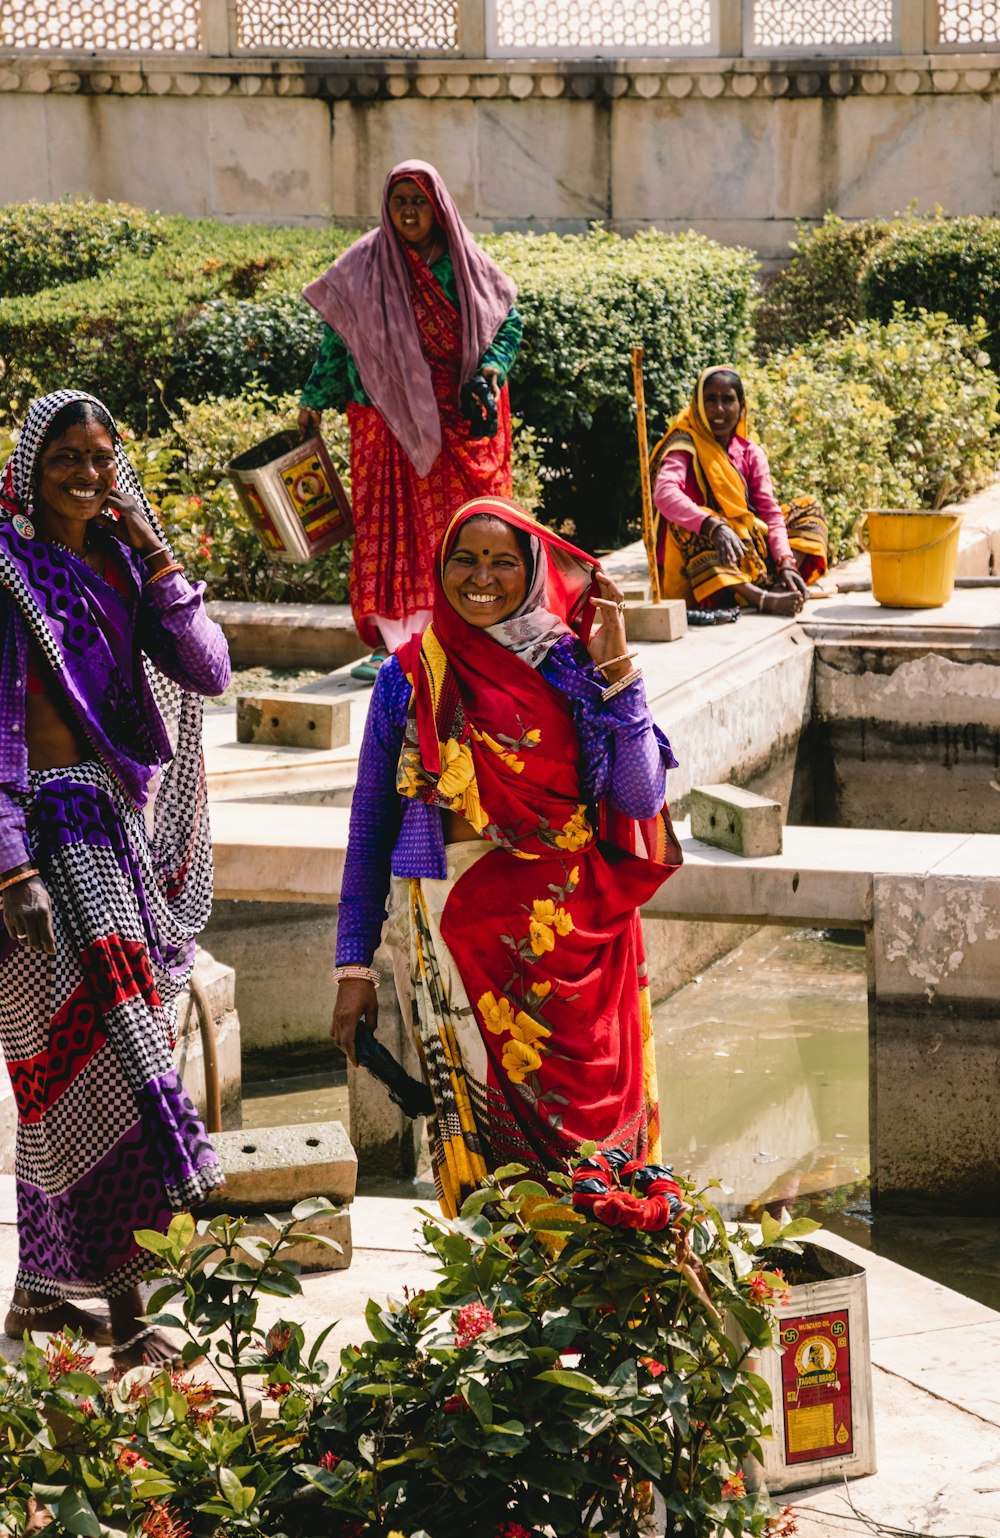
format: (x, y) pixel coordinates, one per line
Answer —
(560, 1371)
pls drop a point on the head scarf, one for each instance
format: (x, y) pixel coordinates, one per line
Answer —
(721, 484)
(178, 816)
(365, 297)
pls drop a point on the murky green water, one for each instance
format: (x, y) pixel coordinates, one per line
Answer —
(763, 1070)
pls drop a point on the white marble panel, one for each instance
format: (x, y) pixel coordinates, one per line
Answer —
(542, 160)
(692, 160)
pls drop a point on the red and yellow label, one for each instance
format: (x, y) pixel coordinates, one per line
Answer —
(313, 499)
(262, 518)
(816, 1387)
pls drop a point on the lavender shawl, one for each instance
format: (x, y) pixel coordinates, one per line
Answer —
(365, 297)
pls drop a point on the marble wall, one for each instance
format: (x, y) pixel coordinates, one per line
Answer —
(735, 148)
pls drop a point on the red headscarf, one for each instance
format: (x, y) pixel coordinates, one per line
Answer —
(365, 297)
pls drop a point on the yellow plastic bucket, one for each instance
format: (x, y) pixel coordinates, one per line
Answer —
(914, 553)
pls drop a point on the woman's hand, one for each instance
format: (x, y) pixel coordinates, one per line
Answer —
(27, 915)
(356, 1001)
(609, 641)
(728, 545)
(309, 421)
(793, 580)
(131, 526)
(492, 377)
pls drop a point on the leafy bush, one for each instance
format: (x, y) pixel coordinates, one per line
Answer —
(585, 300)
(942, 265)
(229, 345)
(43, 244)
(828, 436)
(121, 335)
(557, 1367)
(183, 471)
(935, 378)
(818, 290)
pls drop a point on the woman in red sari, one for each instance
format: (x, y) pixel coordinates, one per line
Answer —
(415, 310)
(511, 794)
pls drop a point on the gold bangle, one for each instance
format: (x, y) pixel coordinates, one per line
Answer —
(164, 571)
(22, 875)
(620, 684)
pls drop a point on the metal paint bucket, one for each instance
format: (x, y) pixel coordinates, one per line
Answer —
(292, 495)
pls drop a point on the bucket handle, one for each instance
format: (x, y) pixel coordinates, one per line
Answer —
(913, 550)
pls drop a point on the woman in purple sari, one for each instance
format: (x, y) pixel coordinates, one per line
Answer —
(105, 868)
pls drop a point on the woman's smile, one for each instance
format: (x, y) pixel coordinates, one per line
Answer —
(485, 577)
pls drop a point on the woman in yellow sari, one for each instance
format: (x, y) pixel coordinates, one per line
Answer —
(722, 537)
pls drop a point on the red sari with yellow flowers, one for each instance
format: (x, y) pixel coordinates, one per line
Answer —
(544, 930)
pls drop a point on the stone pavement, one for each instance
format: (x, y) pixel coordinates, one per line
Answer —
(936, 1373)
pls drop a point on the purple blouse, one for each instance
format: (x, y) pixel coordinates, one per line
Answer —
(171, 627)
(624, 757)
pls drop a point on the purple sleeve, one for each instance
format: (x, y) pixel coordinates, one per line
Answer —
(670, 496)
(375, 819)
(624, 755)
(757, 474)
(177, 634)
(14, 847)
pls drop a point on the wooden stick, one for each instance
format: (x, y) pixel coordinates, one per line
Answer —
(647, 493)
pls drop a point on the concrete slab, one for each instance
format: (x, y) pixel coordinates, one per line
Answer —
(271, 1168)
(286, 853)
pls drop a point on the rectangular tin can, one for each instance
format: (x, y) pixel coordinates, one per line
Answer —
(820, 1378)
(292, 495)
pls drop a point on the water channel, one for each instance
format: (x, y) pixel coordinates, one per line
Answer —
(763, 1070)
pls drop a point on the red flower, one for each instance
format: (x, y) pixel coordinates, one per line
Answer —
(278, 1338)
(329, 1461)
(61, 1356)
(278, 1390)
(200, 1397)
(160, 1522)
(655, 1369)
(128, 1458)
(784, 1525)
(456, 1405)
(734, 1488)
(87, 1408)
(195, 502)
(471, 1321)
(512, 1530)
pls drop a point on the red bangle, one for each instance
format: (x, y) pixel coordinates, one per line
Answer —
(164, 571)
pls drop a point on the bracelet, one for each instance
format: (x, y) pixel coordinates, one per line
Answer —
(625, 657)
(760, 600)
(787, 563)
(156, 550)
(620, 684)
(363, 974)
(22, 875)
(164, 571)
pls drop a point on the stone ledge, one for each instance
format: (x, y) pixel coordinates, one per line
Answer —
(454, 78)
(285, 635)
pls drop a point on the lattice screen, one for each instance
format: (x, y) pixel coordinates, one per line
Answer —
(807, 23)
(603, 25)
(379, 26)
(104, 26)
(969, 21)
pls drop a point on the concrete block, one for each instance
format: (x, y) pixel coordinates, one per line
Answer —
(274, 1167)
(736, 819)
(293, 721)
(663, 621)
(310, 1255)
(636, 592)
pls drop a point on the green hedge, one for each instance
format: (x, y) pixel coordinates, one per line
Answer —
(42, 244)
(946, 265)
(818, 290)
(122, 334)
(585, 300)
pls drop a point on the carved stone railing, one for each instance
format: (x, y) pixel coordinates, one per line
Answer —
(603, 30)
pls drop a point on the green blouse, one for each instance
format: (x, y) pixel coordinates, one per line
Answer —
(335, 381)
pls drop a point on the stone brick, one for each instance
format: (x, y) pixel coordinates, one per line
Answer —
(310, 1255)
(270, 1168)
(293, 720)
(663, 621)
(736, 819)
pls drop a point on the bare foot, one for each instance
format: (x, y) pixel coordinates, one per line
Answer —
(136, 1344)
(781, 601)
(37, 1312)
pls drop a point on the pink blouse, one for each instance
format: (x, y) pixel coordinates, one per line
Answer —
(678, 495)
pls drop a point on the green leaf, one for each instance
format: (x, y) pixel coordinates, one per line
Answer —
(566, 1377)
(479, 1402)
(770, 1228)
(76, 1514)
(510, 1171)
(799, 1227)
(312, 1207)
(151, 1239)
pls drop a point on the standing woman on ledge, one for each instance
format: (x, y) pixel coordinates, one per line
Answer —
(511, 795)
(105, 869)
(414, 311)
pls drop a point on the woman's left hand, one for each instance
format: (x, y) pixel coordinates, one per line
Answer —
(609, 640)
(131, 526)
(793, 579)
(492, 377)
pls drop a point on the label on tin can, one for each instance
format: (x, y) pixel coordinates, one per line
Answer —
(313, 499)
(816, 1386)
(262, 518)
